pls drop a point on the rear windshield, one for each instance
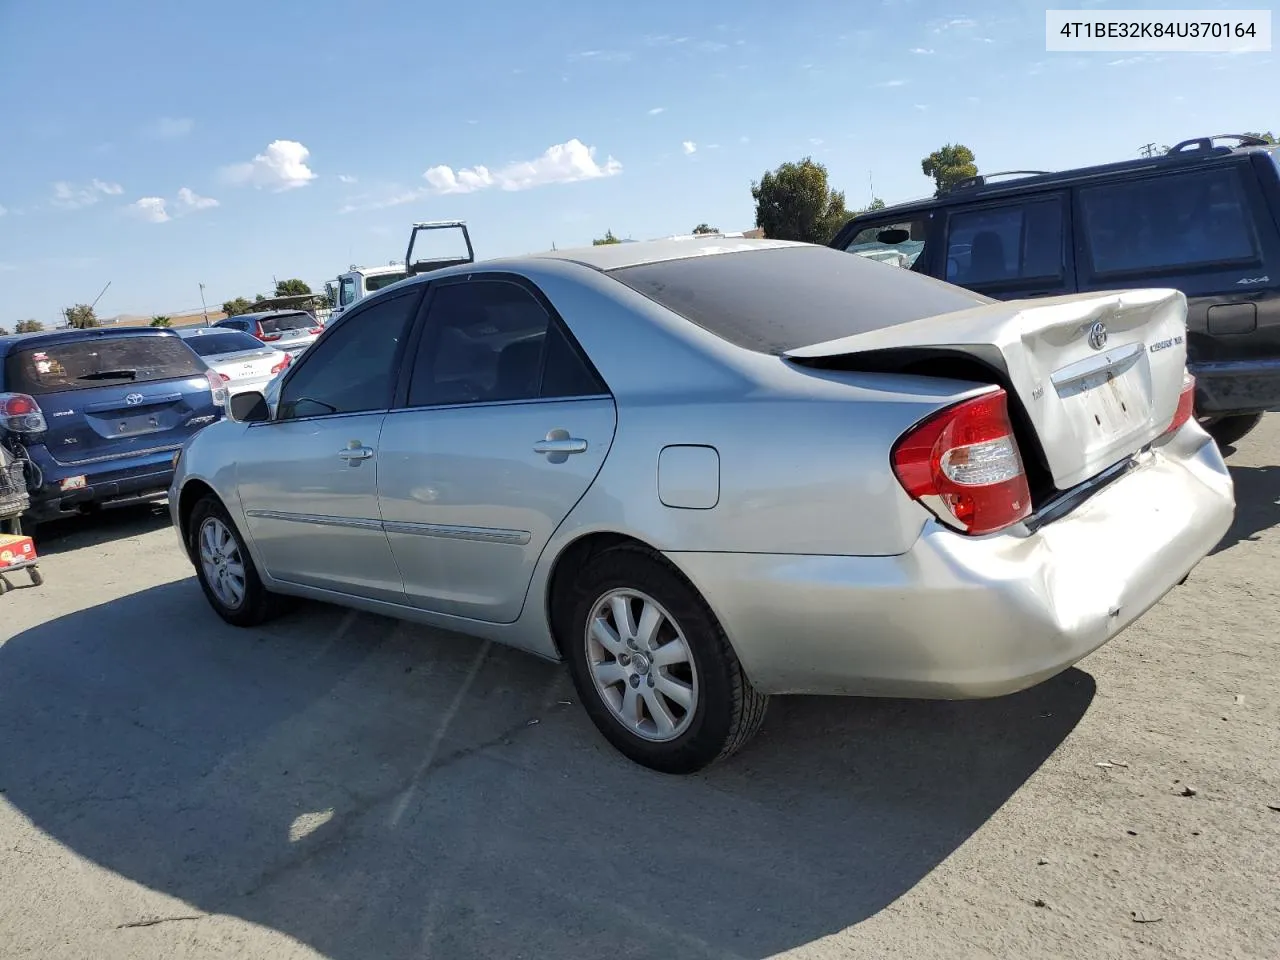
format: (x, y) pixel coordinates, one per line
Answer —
(101, 361)
(287, 321)
(377, 283)
(212, 344)
(779, 299)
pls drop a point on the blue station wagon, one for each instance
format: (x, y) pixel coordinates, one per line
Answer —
(98, 414)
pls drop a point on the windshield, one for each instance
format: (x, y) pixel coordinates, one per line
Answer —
(102, 361)
(775, 300)
(213, 344)
(287, 321)
(377, 283)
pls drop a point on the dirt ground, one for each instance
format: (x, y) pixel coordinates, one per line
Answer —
(339, 785)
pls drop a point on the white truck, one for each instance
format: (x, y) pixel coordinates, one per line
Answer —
(359, 282)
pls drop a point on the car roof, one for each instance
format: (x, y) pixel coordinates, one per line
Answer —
(616, 256)
(16, 341)
(1187, 154)
(266, 313)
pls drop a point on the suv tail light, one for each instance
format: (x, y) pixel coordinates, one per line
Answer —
(264, 336)
(217, 387)
(316, 331)
(20, 413)
(963, 464)
(1186, 404)
(283, 365)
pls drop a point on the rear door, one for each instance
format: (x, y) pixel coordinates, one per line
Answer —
(1011, 248)
(505, 427)
(114, 396)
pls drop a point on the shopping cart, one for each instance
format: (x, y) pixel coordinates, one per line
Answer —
(17, 552)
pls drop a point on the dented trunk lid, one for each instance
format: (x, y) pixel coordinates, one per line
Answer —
(1098, 375)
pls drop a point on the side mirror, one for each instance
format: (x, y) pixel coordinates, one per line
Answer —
(249, 407)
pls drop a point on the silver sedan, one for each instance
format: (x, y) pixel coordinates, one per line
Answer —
(702, 472)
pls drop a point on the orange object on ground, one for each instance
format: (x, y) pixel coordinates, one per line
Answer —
(15, 550)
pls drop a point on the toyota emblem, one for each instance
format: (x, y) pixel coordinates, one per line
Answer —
(134, 399)
(1098, 335)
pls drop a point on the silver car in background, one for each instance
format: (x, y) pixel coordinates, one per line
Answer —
(242, 362)
(292, 331)
(702, 472)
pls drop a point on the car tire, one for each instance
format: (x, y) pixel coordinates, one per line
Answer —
(666, 688)
(1228, 431)
(225, 567)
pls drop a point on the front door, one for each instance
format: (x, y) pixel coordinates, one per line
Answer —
(308, 478)
(506, 426)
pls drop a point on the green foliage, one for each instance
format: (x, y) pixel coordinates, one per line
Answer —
(258, 298)
(1268, 136)
(606, 239)
(233, 308)
(4, 331)
(875, 204)
(160, 320)
(949, 165)
(28, 326)
(796, 202)
(291, 288)
(82, 317)
(703, 228)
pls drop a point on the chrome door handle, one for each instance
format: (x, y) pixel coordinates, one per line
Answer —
(566, 445)
(355, 453)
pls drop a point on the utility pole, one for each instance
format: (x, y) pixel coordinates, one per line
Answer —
(204, 306)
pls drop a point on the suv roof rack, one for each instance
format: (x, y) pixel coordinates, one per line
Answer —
(982, 179)
(1206, 143)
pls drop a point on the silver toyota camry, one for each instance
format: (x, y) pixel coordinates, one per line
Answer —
(703, 472)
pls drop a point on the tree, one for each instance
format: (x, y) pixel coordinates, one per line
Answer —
(291, 288)
(1268, 136)
(160, 320)
(949, 165)
(4, 331)
(875, 204)
(606, 239)
(28, 326)
(258, 298)
(796, 202)
(703, 228)
(239, 305)
(82, 317)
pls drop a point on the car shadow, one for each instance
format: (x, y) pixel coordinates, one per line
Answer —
(1257, 504)
(105, 526)
(377, 789)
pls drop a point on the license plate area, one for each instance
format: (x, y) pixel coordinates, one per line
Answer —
(133, 426)
(1109, 401)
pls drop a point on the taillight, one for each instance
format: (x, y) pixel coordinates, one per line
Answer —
(225, 378)
(963, 464)
(20, 413)
(1186, 404)
(268, 337)
(316, 331)
(217, 387)
(282, 365)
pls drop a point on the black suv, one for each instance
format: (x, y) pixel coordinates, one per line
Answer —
(1203, 218)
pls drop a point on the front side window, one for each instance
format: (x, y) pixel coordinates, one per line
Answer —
(1008, 244)
(492, 340)
(1184, 220)
(348, 291)
(898, 244)
(353, 369)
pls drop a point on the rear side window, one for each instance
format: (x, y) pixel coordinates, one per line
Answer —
(1185, 220)
(777, 299)
(1007, 244)
(212, 344)
(288, 321)
(102, 361)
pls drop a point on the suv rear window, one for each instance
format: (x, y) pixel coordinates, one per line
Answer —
(779, 299)
(101, 361)
(1176, 221)
(288, 321)
(212, 344)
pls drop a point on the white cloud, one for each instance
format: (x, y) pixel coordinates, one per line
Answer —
(654, 111)
(169, 128)
(562, 163)
(689, 147)
(892, 83)
(282, 166)
(922, 106)
(816, 141)
(150, 209)
(346, 178)
(744, 139)
(191, 201)
(3, 210)
(924, 51)
(602, 56)
(70, 197)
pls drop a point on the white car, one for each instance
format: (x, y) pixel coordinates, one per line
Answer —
(243, 362)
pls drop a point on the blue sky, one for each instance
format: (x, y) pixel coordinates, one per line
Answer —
(161, 145)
